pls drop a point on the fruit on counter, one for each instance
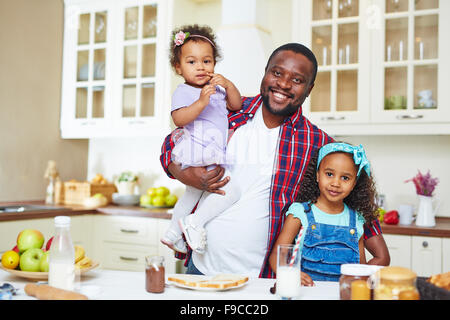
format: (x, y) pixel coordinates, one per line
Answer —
(10, 259)
(44, 262)
(29, 239)
(99, 179)
(158, 201)
(79, 253)
(145, 200)
(16, 249)
(151, 191)
(391, 217)
(171, 200)
(83, 263)
(49, 244)
(30, 260)
(381, 212)
(162, 191)
(97, 200)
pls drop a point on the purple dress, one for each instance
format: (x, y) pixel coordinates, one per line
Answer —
(204, 140)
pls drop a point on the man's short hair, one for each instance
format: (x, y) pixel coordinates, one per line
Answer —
(297, 48)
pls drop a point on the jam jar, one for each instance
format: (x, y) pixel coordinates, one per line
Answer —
(354, 283)
(154, 274)
(396, 283)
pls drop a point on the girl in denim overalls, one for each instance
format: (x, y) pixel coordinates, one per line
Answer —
(335, 199)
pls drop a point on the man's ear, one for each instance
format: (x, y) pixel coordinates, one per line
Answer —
(310, 88)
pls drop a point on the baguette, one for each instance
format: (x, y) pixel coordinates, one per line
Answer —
(46, 292)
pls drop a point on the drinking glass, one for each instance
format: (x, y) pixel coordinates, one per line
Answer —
(288, 272)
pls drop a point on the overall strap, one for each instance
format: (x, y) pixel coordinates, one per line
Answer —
(309, 214)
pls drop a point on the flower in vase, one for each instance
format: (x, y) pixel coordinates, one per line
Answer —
(425, 184)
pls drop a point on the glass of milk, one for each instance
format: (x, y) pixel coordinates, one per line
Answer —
(288, 272)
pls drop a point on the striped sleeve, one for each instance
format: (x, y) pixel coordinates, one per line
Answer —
(372, 229)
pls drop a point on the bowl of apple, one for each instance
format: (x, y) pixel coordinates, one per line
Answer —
(158, 197)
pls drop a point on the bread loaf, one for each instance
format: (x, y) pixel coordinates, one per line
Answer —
(46, 292)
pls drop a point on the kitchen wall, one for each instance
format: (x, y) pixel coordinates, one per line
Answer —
(31, 35)
(394, 158)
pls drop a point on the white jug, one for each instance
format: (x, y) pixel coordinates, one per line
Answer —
(425, 213)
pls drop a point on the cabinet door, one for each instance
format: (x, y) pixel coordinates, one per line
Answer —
(399, 250)
(410, 50)
(337, 34)
(87, 63)
(445, 254)
(426, 255)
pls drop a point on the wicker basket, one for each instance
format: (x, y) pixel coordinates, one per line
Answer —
(76, 192)
(429, 291)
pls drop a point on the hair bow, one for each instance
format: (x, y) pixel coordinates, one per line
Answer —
(359, 155)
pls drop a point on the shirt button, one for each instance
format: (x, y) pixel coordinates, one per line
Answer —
(250, 115)
(233, 123)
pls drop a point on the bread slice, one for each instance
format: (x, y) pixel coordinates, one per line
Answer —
(220, 281)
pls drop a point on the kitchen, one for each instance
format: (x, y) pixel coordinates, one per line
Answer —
(31, 120)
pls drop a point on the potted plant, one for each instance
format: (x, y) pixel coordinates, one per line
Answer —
(126, 182)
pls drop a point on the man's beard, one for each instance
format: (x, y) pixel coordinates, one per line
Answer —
(287, 111)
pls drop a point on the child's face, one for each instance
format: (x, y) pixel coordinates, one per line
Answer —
(336, 177)
(196, 60)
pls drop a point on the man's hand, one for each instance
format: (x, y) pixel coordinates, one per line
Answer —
(200, 178)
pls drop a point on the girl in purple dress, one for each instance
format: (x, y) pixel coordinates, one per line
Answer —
(200, 105)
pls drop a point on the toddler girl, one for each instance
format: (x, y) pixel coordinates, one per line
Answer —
(335, 199)
(200, 105)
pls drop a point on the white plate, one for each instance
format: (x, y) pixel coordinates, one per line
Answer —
(180, 285)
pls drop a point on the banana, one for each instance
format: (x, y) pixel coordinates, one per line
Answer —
(84, 263)
(79, 253)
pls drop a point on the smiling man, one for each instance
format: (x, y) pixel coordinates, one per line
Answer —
(271, 144)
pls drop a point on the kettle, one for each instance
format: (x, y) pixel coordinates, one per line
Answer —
(425, 212)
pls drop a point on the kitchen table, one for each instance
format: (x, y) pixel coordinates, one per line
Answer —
(99, 284)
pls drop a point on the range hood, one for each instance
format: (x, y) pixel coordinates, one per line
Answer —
(245, 42)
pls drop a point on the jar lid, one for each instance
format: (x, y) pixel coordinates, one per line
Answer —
(397, 273)
(62, 220)
(355, 269)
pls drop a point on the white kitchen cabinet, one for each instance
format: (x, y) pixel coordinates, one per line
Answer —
(122, 243)
(115, 69)
(427, 255)
(424, 255)
(376, 59)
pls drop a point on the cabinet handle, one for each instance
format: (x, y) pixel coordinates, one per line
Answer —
(128, 258)
(129, 231)
(333, 118)
(425, 244)
(409, 117)
(133, 122)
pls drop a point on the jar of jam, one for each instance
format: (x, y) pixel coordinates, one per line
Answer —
(154, 274)
(396, 283)
(354, 283)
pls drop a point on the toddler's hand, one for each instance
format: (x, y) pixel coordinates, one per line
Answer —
(218, 79)
(206, 92)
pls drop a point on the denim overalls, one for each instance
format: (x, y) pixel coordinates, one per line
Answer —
(326, 247)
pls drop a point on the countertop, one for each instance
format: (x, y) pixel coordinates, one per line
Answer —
(442, 228)
(130, 285)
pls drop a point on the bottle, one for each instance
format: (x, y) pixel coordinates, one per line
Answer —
(62, 256)
(52, 175)
(154, 274)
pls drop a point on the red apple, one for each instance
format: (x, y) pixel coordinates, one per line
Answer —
(15, 249)
(49, 243)
(29, 239)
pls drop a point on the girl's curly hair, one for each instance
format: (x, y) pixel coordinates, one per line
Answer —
(361, 199)
(193, 29)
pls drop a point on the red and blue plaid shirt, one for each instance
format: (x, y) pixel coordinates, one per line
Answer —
(297, 142)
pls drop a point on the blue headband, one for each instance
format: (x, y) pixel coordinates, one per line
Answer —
(359, 155)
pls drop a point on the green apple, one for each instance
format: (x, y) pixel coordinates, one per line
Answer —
(30, 260)
(151, 191)
(158, 201)
(44, 262)
(28, 239)
(162, 191)
(171, 199)
(145, 200)
(98, 195)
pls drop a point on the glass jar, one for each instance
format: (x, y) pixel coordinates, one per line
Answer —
(354, 283)
(395, 283)
(154, 274)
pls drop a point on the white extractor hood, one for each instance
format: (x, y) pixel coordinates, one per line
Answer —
(246, 44)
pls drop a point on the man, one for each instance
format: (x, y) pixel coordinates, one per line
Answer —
(241, 238)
